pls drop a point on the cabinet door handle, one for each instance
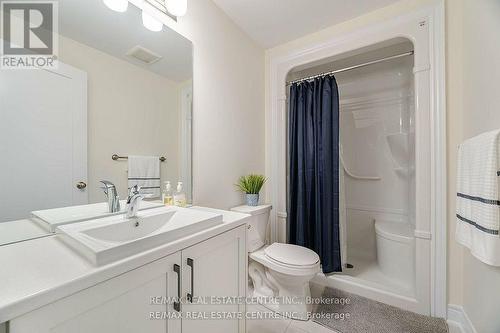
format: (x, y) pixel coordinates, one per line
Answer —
(177, 304)
(190, 295)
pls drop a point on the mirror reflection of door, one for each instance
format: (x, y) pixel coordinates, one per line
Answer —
(43, 133)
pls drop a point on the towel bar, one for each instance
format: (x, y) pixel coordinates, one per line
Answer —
(115, 157)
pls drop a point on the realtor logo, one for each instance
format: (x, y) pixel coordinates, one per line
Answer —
(29, 34)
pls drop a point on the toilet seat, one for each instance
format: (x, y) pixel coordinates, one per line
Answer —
(291, 268)
(291, 255)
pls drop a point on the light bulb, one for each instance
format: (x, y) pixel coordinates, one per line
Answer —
(117, 5)
(177, 7)
(150, 22)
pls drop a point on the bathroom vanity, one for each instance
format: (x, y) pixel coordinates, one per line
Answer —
(48, 286)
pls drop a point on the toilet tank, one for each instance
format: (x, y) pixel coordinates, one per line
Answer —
(257, 224)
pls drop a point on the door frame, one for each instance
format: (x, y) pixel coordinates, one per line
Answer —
(186, 139)
(425, 28)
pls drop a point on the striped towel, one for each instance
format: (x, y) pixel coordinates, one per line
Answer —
(144, 171)
(478, 197)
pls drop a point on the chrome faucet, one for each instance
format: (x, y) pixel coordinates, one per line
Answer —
(113, 200)
(133, 201)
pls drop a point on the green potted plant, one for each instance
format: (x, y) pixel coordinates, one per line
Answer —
(251, 185)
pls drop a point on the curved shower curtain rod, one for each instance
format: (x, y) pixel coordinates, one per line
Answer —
(308, 78)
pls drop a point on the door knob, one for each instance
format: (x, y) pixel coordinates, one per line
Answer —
(81, 185)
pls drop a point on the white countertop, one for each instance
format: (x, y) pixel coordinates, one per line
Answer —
(40, 271)
(20, 230)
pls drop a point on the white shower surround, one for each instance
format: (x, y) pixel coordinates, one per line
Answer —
(425, 28)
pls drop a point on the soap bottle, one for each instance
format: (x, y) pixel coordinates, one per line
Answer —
(168, 199)
(179, 196)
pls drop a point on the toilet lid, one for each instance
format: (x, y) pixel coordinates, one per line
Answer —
(291, 254)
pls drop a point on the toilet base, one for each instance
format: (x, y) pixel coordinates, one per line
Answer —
(286, 295)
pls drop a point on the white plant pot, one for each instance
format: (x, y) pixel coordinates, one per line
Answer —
(252, 199)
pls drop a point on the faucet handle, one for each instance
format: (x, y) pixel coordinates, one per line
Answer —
(107, 184)
(134, 190)
(105, 189)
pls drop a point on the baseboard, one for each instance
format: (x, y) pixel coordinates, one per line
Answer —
(458, 316)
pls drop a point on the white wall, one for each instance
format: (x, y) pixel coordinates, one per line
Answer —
(228, 104)
(481, 113)
(454, 107)
(131, 111)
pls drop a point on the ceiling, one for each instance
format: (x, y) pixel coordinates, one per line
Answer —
(272, 22)
(91, 23)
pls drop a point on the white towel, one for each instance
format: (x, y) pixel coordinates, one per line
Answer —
(478, 199)
(144, 171)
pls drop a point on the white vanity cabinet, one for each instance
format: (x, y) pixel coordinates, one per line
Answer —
(212, 272)
(121, 304)
(215, 267)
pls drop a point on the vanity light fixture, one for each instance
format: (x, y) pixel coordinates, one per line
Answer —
(176, 7)
(117, 5)
(172, 8)
(150, 22)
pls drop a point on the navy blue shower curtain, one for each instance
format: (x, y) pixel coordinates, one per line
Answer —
(314, 169)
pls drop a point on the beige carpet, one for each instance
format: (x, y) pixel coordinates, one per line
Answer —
(367, 316)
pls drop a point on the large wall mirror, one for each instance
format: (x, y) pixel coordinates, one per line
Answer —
(120, 89)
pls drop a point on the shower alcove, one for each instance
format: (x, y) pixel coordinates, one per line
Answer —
(378, 162)
(392, 155)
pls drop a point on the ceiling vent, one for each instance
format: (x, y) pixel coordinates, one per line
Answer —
(144, 55)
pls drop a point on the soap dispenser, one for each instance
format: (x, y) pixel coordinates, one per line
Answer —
(179, 196)
(168, 199)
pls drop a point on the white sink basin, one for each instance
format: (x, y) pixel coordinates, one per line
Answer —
(126, 230)
(52, 218)
(115, 237)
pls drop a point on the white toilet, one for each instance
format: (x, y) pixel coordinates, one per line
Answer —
(278, 270)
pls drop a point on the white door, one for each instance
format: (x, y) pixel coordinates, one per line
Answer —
(43, 135)
(214, 268)
(130, 303)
